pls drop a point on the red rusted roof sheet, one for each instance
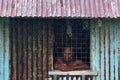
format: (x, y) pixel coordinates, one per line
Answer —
(60, 8)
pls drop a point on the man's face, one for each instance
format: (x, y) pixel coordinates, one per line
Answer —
(67, 54)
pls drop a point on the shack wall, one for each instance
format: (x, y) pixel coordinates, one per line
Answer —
(29, 49)
(29, 58)
(105, 48)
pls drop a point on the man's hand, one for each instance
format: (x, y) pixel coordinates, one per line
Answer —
(63, 67)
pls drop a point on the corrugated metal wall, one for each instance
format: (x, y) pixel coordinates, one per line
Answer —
(28, 49)
(119, 50)
(105, 48)
(29, 43)
(4, 49)
(31, 40)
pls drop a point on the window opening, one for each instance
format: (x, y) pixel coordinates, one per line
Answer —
(72, 44)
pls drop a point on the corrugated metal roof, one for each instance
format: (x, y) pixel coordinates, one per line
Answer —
(60, 8)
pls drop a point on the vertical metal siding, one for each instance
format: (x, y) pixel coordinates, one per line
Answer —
(116, 49)
(102, 52)
(30, 45)
(97, 54)
(93, 45)
(4, 49)
(1, 51)
(119, 48)
(107, 50)
(39, 69)
(112, 46)
(108, 35)
(28, 49)
(13, 51)
(25, 66)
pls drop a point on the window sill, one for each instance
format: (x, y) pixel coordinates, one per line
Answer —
(84, 72)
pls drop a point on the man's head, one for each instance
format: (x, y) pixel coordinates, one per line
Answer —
(67, 54)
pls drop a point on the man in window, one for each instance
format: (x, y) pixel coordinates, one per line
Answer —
(67, 63)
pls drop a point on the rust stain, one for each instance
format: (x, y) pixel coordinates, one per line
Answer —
(32, 62)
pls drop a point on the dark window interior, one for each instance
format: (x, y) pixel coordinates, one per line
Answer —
(74, 33)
